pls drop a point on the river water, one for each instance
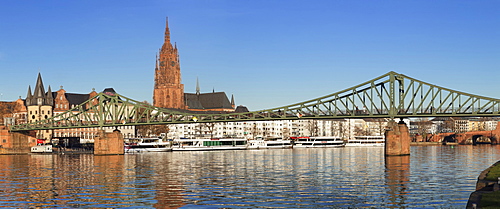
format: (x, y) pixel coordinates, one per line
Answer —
(350, 177)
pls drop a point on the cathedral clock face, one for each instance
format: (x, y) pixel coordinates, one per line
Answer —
(172, 63)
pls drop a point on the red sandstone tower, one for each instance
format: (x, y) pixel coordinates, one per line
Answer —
(168, 90)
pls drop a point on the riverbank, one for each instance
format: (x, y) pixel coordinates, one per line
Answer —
(487, 194)
(424, 143)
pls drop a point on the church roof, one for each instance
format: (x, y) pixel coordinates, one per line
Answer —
(207, 100)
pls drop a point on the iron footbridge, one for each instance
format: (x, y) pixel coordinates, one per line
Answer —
(392, 95)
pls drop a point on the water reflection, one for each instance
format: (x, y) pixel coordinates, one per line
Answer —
(292, 178)
(397, 178)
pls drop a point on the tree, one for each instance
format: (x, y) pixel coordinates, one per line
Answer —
(151, 130)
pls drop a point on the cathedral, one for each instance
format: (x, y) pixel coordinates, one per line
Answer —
(169, 91)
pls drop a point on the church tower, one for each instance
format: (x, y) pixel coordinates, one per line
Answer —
(168, 90)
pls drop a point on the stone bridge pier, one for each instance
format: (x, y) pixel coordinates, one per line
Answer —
(109, 143)
(397, 139)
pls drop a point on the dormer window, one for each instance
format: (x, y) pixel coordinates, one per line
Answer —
(40, 101)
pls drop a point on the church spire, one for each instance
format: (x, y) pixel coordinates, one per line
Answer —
(167, 33)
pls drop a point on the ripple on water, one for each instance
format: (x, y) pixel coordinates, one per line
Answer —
(431, 177)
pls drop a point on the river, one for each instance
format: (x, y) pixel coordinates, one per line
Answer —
(355, 177)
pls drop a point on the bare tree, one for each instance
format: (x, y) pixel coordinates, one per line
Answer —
(150, 130)
(312, 127)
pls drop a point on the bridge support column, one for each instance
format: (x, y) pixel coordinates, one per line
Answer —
(109, 143)
(397, 139)
(16, 142)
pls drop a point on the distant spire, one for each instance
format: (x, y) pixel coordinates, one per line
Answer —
(29, 96)
(197, 86)
(49, 98)
(232, 100)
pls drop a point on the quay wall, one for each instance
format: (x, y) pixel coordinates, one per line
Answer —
(16, 142)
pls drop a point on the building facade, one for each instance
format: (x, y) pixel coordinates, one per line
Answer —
(41, 105)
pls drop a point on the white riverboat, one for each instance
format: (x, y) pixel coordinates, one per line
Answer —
(366, 141)
(146, 145)
(320, 141)
(269, 144)
(208, 144)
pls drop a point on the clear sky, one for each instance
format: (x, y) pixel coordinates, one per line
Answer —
(266, 53)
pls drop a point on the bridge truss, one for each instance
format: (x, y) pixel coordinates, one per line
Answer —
(391, 95)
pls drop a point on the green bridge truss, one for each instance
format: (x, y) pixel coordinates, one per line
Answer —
(392, 95)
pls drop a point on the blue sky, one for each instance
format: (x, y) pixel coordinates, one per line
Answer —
(265, 53)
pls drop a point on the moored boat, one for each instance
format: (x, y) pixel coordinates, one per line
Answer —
(269, 144)
(42, 149)
(208, 144)
(146, 145)
(366, 141)
(320, 141)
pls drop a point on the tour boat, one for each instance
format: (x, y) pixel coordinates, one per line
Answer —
(146, 145)
(366, 141)
(323, 141)
(269, 144)
(207, 144)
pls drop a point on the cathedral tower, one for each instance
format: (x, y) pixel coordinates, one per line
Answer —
(168, 90)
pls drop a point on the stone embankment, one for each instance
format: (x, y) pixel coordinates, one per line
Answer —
(483, 186)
